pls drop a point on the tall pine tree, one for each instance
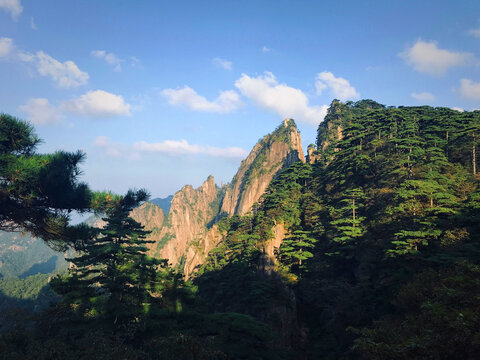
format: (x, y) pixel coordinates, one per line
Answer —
(113, 278)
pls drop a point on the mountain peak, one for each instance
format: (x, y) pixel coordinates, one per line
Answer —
(289, 122)
(194, 212)
(273, 152)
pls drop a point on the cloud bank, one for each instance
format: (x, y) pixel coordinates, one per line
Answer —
(182, 147)
(64, 75)
(470, 89)
(222, 63)
(425, 97)
(6, 46)
(40, 112)
(266, 92)
(168, 147)
(98, 104)
(427, 58)
(226, 102)
(475, 32)
(109, 58)
(14, 7)
(339, 87)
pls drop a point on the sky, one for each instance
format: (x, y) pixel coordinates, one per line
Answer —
(160, 94)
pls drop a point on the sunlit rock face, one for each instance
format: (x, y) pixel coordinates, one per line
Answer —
(188, 232)
(275, 151)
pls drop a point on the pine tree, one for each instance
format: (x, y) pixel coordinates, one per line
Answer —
(348, 224)
(113, 277)
(38, 192)
(295, 249)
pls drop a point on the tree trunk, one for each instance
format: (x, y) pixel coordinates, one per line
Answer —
(474, 157)
(353, 211)
(446, 148)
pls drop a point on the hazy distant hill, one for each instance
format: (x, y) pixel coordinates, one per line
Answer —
(23, 255)
(164, 203)
(26, 266)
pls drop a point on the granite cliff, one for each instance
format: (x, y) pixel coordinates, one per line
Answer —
(188, 232)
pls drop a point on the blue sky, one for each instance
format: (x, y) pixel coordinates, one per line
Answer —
(160, 94)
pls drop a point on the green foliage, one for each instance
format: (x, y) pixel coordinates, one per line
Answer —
(347, 224)
(31, 293)
(38, 191)
(22, 256)
(113, 278)
(380, 259)
(295, 249)
(437, 317)
(392, 194)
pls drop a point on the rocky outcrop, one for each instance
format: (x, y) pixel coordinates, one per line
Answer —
(190, 213)
(269, 259)
(275, 151)
(189, 232)
(199, 249)
(313, 155)
(150, 215)
(330, 131)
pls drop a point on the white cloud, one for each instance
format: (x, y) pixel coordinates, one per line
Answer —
(426, 57)
(109, 58)
(32, 24)
(168, 147)
(265, 49)
(98, 104)
(459, 109)
(182, 147)
(227, 101)
(14, 7)
(475, 32)
(423, 97)
(6, 46)
(40, 112)
(65, 75)
(113, 150)
(340, 88)
(268, 93)
(470, 89)
(222, 63)
(134, 61)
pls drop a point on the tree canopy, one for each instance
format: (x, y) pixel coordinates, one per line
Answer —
(39, 191)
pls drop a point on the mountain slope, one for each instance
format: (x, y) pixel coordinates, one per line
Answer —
(273, 152)
(383, 225)
(189, 231)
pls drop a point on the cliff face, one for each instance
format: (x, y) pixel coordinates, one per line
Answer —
(279, 149)
(149, 215)
(199, 249)
(188, 233)
(190, 213)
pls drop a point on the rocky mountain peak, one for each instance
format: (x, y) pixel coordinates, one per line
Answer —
(189, 232)
(273, 152)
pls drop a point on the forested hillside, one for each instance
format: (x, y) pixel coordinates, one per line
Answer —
(26, 266)
(382, 241)
(369, 250)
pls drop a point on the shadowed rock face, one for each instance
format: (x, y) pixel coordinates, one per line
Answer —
(188, 233)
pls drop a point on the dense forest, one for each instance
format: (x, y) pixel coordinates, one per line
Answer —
(379, 258)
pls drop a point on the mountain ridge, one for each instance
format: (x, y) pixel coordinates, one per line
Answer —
(188, 232)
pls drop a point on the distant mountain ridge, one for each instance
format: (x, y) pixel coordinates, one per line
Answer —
(22, 255)
(163, 203)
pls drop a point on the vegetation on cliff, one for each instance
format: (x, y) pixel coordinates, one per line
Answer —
(391, 203)
(380, 259)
